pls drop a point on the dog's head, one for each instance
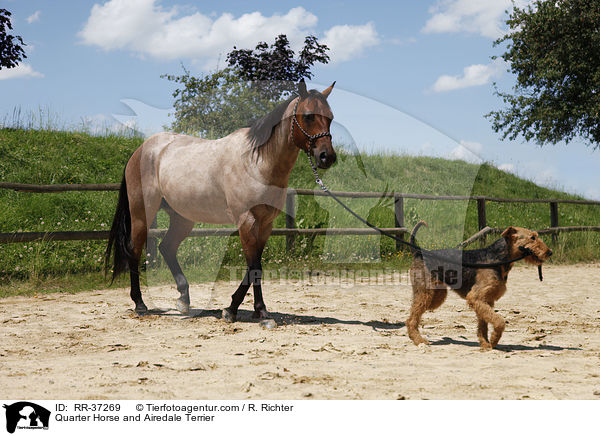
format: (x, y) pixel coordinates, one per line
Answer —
(521, 240)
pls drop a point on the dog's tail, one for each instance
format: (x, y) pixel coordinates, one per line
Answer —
(416, 252)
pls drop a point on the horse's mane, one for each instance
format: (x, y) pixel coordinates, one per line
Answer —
(262, 128)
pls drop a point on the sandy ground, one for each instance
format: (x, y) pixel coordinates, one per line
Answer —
(341, 340)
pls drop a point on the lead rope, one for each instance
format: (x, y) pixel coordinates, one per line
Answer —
(526, 251)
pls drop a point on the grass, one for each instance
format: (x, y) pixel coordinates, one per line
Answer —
(44, 156)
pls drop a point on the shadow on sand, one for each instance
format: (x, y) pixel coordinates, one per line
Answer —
(506, 348)
(245, 316)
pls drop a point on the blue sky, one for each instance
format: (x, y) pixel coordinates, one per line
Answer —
(413, 77)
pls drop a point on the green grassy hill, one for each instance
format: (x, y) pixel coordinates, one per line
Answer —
(46, 157)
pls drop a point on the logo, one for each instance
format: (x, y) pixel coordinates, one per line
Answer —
(26, 415)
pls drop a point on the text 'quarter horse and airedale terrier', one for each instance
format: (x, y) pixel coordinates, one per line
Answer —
(433, 272)
(240, 179)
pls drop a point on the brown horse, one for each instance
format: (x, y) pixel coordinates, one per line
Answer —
(240, 179)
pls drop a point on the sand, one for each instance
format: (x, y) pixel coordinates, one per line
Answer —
(336, 339)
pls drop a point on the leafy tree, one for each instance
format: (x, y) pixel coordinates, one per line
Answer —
(273, 69)
(554, 51)
(254, 82)
(215, 105)
(11, 50)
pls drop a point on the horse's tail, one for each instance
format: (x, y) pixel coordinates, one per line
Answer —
(415, 250)
(119, 239)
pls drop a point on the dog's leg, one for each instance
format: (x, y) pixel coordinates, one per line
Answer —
(499, 327)
(485, 314)
(439, 297)
(482, 333)
(421, 300)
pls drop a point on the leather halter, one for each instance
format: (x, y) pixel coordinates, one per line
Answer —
(311, 138)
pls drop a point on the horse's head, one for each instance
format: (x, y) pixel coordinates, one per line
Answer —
(312, 120)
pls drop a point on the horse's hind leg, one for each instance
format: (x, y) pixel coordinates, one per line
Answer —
(142, 209)
(138, 238)
(179, 229)
(139, 233)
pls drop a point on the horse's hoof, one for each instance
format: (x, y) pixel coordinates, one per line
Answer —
(228, 315)
(268, 323)
(182, 307)
(141, 309)
(261, 314)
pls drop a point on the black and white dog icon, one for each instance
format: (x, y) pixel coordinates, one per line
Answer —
(26, 415)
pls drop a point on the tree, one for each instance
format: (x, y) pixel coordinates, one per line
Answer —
(215, 105)
(11, 50)
(554, 51)
(273, 69)
(253, 83)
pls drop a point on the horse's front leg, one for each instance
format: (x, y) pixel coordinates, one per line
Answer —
(260, 308)
(230, 313)
(253, 236)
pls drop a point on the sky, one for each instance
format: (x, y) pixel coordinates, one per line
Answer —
(411, 77)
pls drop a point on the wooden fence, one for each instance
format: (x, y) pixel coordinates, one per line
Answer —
(291, 231)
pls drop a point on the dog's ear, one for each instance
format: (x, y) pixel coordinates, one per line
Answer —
(509, 232)
(327, 91)
(302, 88)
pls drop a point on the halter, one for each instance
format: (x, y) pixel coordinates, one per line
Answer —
(311, 138)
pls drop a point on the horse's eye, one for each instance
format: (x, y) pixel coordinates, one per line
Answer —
(309, 117)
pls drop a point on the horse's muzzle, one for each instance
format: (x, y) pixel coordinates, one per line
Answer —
(325, 159)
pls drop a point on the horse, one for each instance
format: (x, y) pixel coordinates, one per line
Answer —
(239, 179)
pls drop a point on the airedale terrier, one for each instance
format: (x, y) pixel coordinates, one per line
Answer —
(481, 287)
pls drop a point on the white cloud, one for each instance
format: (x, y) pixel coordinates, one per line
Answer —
(468, 151)
(483, 17)
(147, 119)
(19, 72)
(473, 75)
(346, 42)
(540, 173)
(547, 177)
(592, 194)
(402, 41)
(507, 167)
(34, 17)
(146, 28)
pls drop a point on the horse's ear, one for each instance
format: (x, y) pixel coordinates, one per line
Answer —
(328, 90)
(302, 88)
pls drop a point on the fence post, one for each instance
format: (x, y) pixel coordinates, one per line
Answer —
(399, 218)
(554, 219)
(151, 246)
(290, 218)
(481, 217)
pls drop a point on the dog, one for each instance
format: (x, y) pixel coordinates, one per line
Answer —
(431, 276)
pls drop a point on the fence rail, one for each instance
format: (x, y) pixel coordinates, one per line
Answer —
(26, 187)
(290, 231)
